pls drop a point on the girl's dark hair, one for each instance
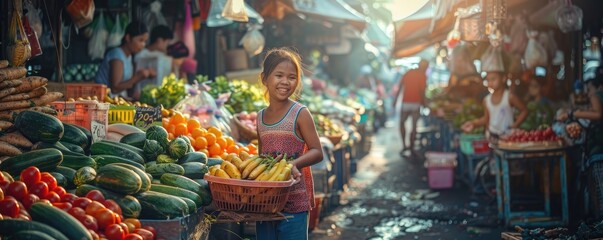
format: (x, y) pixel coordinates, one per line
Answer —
(134, 28)
(276, 56)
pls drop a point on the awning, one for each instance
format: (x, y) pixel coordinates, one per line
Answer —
(331, 10)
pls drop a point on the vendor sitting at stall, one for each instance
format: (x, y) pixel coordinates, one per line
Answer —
(117, 70)
(155, 56)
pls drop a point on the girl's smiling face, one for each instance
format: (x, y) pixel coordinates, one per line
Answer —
(282, 81)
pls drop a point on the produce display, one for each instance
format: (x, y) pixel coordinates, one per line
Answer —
(171, 91)
(538, 115)
(258, 168)
(533, 139)
(326, 127)
(470, 110)
(244, 97)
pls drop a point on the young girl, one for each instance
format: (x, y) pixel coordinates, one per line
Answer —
(499, 115)
(287, 127)
(117, 71)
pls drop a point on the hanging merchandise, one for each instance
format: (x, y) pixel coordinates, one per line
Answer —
(496, 10)
(569, 17)
(97, 43)
(518, 40)
(253, 41)
(18, 46)
(546, 16)
(81, 12)
(116, 34)
(535, 54)
(454, 36)
(492, 60)
(215, 18)
(205, 6)
(32, 37)
(235, 10)
(152, 15)
(461, 63)
(33, 15)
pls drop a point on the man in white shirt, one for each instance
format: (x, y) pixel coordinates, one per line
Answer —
(155, 56)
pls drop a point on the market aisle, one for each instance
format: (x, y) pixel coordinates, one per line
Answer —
(389, 198)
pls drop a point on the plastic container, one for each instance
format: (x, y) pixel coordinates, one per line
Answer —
(440, 169)
(76, 90)
(473, 144)
(91, 115)
(248, 196)
(121, 114)
(190, 227)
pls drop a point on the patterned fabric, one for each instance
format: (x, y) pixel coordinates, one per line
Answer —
(280, 138)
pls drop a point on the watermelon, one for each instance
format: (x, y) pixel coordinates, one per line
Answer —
(177, 148)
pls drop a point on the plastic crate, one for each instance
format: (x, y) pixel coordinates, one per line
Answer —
(247, 195)
(440, 169)
(91, 115)
(121, 114)
(76, 90)
(192, 226)
(473, 144)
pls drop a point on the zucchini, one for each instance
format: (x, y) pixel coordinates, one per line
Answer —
(117, 178)
(134, 139)
(159, 169)
(203, 183)
(130, 207)
(60, 220)
(107, 148)
(126, 146)
(84, 175)
(58, 145)
(69, 175)
(161, 206)
(192, 206)
(193, 157)
(61, 180)
(10, 226)
(178, 192)
(77, 162)
(194, 169)
(188, 184)
(39, 127)
(30, 235)
(214, 161)
(74, 135)
(102, 160)
(145, 180)
(72, 147)
(88, 135)
(43, 159)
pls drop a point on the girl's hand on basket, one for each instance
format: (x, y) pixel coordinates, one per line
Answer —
(295, 173)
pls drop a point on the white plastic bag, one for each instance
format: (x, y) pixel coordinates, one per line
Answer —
(152, 15)
(235, 10)
(33, 15)
(569, 18)
(117, 33)
(253, 41)
(460, 63)
(214, 18)
(535, 54)
(492, 60)
(97, 44)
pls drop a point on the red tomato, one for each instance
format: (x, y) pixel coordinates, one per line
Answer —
(118, 218)
(50, 180)
(124, 227)
(29, 200)
(65, 206)
(133, 236)
(113, 206)
(68, 197)
(115, 232)
(31, 175)
(94, 235)
(9, 207)
(96, 195)
(134, 222)
(23, 217)
(17, 189)
(81, 202)
(151, 229)
(53, 197)
(90, 223)
(145, 234)
(60, 190)
(78, 213)
(38, 188)
(4, 185)
(93, 207)
(131, 227)
(104, 217)
(44, 201)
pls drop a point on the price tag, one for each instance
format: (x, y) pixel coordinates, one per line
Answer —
(147, 116)
(98, 130)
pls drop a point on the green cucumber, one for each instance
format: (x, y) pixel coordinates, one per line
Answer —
(188, 184)
(102, 160)
(118, 179)
(58, 145)
(69, 175)
(145, 180)
(60, 220)
(159, 169)
(39, 127)
(176, 191)
(214, 161)
(73, 148)
(203, 183)
(193, 157)
(192, 206)
(73, 135)
(30, 235)
(130, 207)
(77, 162)
(61, 180)
(43, 159)
(161, 206)
(108, 148)
(10, 226)
(88, 135)
(134, 139)
(194, 169)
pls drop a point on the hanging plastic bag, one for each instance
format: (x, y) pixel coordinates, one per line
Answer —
(215, 19)
(454, 36)
(19, 50)
(535, 54)
(461, 63)
(253, 41)
(33, 15)
(116, 34)
(32, 37)
(235, 10)
(519, 40)
(569, 17)
(97, 44)
(492, 61)
(81, 12)
(152, 15)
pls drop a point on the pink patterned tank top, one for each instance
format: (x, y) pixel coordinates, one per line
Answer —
(280, 138)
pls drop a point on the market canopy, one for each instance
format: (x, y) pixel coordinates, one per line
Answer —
(332, 10)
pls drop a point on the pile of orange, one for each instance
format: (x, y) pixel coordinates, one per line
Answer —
(211, 141)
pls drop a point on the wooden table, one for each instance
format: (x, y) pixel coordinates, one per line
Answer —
(542, 218)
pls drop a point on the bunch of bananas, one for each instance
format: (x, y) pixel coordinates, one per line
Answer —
(258, 168)
(119, 101)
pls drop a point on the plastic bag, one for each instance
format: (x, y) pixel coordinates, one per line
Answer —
(519, 40)
(152, 15)
(200, 105)
(535, 54)
(235, 10)
(33, 15)
(492, 60)
(461, 64)
(569, 18)
(253, 41)
(116, 34)
(97, 44)
(81, 12)
(19, 49)
(215, 19)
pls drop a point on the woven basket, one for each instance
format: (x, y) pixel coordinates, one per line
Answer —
(19, 50)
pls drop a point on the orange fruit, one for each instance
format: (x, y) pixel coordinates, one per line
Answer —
(193, 124)
(211, 138)
(224, 155)
(171, 128)
(244, 149)
(177, 118)
(197, 132)
(165, 122)
(233, 149)
(192, 140)
(200, 143)
(216, 131)
(180, 129)
(252, 147)
(215, 149)
(222, 142)
(204, 151)
(170, 136)
(229, 141)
